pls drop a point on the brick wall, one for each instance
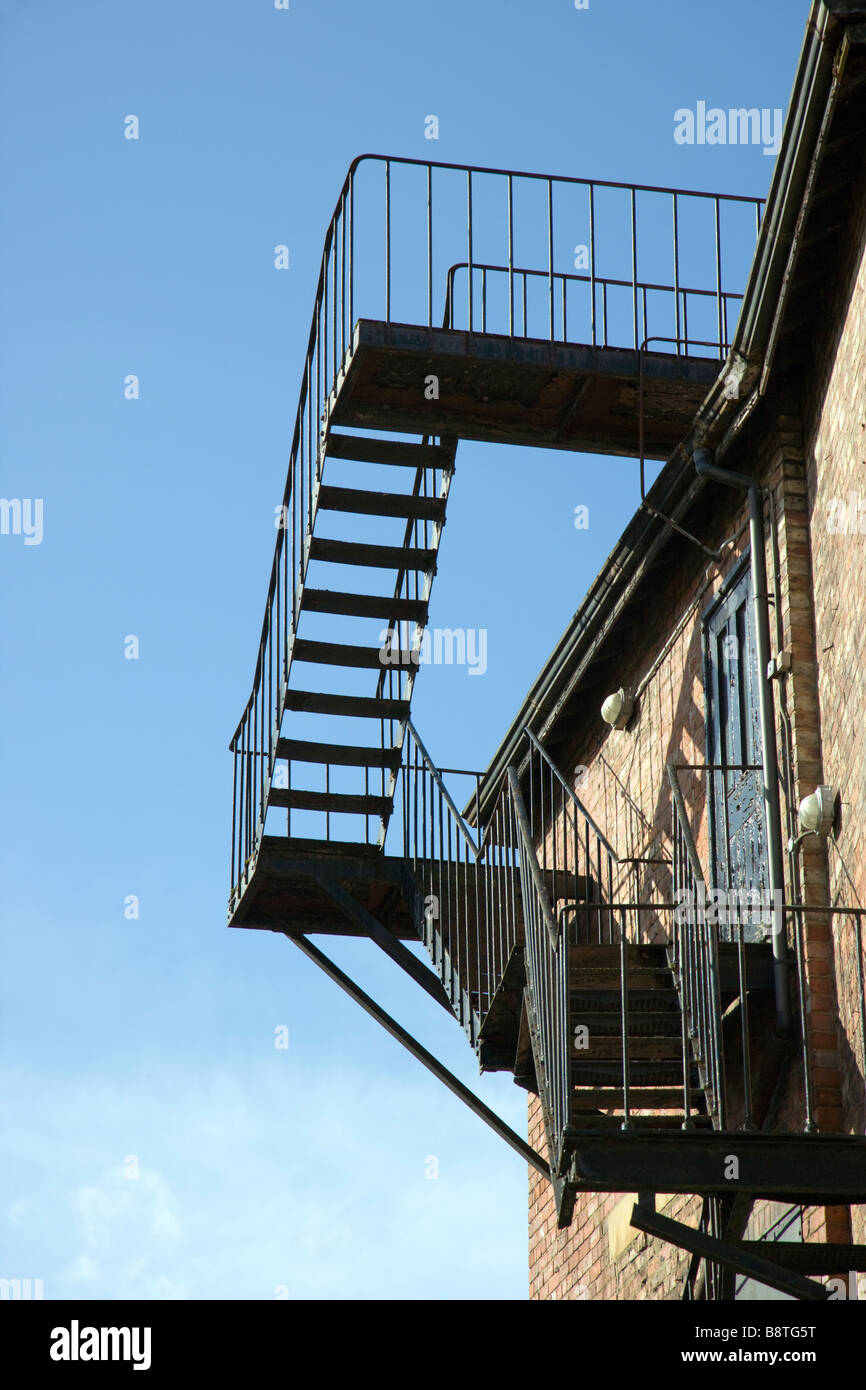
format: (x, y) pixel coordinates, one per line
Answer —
(835, 456)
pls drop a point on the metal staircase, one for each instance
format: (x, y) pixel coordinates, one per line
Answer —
(389, 663)
(615, 1012)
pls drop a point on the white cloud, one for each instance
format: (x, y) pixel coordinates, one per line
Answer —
(277, 1175)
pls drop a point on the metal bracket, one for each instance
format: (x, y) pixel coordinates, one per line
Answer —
(526, 1151)
(739, 1258)
(391, 945)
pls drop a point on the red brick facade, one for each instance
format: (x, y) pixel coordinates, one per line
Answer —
(807, 444)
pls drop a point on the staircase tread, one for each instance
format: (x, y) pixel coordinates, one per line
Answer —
(315, 600)
(336, 653)
(366, 502)
(395, 452)
(640, 1049)
(593, 1120)
(640, 1098)
(301, 800)
(344, 754)
(376, 556)
(325, 849)
(361, 706)
(665, 1071)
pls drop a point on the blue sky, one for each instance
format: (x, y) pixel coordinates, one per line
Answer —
(300, 1170)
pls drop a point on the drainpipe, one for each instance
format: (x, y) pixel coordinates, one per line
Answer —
(705, 467)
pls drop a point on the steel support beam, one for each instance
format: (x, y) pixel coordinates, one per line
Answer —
(803, 1169)
(520, 1146)
(738, 1258)
(384, 939)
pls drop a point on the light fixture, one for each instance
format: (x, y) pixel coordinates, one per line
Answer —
(617, 708)
(816, 813)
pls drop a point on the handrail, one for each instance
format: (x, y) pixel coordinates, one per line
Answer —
(645, 287)
(531, 859)
(694, 951)
(557, 178)
(684, 823)
(572, 795)
(446, 795)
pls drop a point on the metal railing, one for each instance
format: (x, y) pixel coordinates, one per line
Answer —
(539, 877)
(468, 881)
(593, 316)
(522, 887)
(694, 954)
(398, 228)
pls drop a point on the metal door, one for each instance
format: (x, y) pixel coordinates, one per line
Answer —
(738, 839)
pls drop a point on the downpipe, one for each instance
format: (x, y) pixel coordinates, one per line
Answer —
(705, 468)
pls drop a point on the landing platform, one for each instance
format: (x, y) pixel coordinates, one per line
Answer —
(809, 1169)
(283, 893)
(517, 390)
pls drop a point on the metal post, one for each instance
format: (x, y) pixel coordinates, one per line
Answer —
(781, 957)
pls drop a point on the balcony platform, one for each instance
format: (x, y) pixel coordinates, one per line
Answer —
(522, 391)
(283, 892)
(806, 1169)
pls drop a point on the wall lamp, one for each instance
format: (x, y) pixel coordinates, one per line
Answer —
(815, 814)
(617, 708)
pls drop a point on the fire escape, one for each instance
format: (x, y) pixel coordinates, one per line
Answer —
(458, 303)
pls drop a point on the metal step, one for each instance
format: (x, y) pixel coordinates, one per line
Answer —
(639, 1049)
(328, 851)
(389, 451)
(591, 1119)
(645, 1025)
(606, 957)
(389, 557)
(341, 754)
(364, 605)
(603, 979)
(358, 706)
(337, 654)
(639, 1098)
(647, 1072)
(329, 801)
(640, 1002)
(366, 503)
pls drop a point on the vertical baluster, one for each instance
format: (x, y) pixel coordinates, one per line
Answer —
(334, 299)
(233, 882)
(469, 240)
(676, 273)
(808, 1087)
(719, 279)
(634, 266)
(510, 184)
(550, 252)
(592, 261)
(429, 246)
(352, 253)
(858, 943)
(387, 241)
